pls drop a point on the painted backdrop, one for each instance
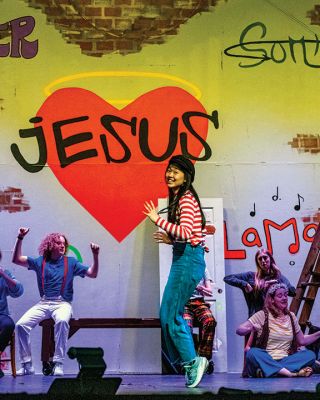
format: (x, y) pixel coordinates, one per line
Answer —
(97, 95)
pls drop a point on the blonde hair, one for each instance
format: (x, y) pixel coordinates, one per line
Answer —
(268, 303)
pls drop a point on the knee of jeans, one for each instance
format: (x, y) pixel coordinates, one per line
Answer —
(250, 354)
(311, 355)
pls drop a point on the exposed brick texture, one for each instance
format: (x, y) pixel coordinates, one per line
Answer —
(306, 143)
(11, 200)
(100, 27)
(314, 15)
(312, 219)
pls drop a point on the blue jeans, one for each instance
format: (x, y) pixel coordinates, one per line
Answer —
(6, 330)
(260, 358)
(186, 271)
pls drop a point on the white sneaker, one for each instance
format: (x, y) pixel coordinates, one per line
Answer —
(26, 369)
(58, 369)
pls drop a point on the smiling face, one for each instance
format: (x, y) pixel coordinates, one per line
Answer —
(280, 300)
(59, 248)
(174, 177)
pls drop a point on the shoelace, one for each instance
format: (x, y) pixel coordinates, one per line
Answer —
(190, 372)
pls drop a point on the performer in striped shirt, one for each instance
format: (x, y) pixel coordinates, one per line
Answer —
(185, 230)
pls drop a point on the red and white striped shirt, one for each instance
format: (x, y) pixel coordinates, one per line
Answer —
(189, 228)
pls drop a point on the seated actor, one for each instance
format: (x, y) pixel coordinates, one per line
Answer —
(198, 311)
(55, 273)
(9, 286)
(275, 350)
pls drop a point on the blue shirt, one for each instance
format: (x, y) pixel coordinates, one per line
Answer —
(5, 291)
(53, 276)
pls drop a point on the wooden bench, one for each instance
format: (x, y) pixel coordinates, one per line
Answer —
(48, 343)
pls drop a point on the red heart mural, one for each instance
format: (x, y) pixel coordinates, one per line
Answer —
(114, 193)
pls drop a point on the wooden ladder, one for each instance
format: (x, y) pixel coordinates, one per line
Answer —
(309, 283)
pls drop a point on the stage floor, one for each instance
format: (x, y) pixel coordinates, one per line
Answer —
(170, 384)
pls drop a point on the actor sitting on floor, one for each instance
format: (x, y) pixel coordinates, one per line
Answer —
(55, 273)
(275, 351)
(197, 310)
(9, 286)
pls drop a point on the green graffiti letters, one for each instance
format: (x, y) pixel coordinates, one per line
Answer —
(259, 51)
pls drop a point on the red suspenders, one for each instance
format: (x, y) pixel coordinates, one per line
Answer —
(65, 259)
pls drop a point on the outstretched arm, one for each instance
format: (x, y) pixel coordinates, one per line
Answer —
(183, 230)
(304, 340)
(93, 270)
(17, 257)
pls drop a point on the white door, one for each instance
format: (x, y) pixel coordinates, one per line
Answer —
(213, 210)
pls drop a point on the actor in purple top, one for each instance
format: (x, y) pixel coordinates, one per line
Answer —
(55, 273)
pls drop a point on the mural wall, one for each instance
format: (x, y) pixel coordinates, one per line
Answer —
(95, 97)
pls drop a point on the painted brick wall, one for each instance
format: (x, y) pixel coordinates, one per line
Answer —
(306, 143)
(124, 26)
(314, 15)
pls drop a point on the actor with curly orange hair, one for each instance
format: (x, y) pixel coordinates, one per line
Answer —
(55, 272)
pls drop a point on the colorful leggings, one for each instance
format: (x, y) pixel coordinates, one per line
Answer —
(198, 311)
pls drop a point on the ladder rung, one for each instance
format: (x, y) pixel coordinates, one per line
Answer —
(304, 284)
(306, 299)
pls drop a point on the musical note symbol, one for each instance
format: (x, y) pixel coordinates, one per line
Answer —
(275, 197)
(297, 206)
(253, 213)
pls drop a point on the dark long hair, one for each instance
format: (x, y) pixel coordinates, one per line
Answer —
(173, 200)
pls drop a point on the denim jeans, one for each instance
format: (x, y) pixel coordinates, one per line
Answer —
(6, 330)
(259, 358)
(186, 271)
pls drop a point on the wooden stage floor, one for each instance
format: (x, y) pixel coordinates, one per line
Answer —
(153, 385)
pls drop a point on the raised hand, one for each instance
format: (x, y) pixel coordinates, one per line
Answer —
(95, 248)
(150, 211)
(22, 232)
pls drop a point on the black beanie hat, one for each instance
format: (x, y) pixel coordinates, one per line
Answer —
(184, 164)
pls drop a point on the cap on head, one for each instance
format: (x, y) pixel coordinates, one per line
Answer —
(184, 164)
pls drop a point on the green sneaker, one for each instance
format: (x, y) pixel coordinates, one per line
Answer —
(195, 370)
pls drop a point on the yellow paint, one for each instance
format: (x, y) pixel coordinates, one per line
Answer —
(140, 74)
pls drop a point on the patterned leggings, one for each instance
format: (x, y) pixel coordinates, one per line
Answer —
(198, 311)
